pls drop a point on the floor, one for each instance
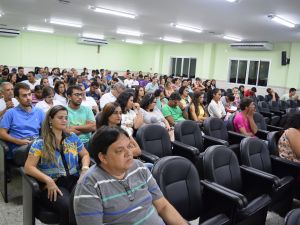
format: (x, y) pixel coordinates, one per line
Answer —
(11, 213)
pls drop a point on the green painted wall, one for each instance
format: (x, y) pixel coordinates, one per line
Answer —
(35, 49)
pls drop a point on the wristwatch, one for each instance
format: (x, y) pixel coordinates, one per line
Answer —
(85, 168)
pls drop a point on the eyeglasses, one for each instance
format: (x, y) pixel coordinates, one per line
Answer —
(130, 193)
(78, 94)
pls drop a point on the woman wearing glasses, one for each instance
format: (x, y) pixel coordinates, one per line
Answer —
(48, 102)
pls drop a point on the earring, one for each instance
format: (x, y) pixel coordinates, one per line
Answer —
(50, 125)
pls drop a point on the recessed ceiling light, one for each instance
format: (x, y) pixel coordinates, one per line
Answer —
(232, 38)
(232, 1)
(112, 12)
(172, 39)
(188, 28)
(65, 23)
(133, 41)
(281, 21)
(91, 35)
(40, 29)
(129, 32)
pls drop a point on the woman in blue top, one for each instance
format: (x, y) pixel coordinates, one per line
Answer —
(53, 161)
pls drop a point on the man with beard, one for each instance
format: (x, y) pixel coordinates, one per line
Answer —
(81, 119)
(22, 124)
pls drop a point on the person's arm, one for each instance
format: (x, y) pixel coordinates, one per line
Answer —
(168, 115)
(90, 126)
(193, 112)
(273, 96)
(244, 132)
(293, 136)
(5, 136)
(168, 213)
(251, 121)
(138, 120)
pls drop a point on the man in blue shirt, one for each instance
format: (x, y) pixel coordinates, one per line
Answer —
(22, 124)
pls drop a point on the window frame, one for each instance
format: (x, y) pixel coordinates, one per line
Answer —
(182, 63)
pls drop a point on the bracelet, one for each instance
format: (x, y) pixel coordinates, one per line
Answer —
(84, 168)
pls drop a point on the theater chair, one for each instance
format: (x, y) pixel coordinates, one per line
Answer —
(255, 154)
(154, 140)
(293, 217)
(261, 123)
(250, 185)
(263, 109)
(176, 175)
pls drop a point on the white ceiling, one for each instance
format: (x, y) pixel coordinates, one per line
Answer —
(246, 19)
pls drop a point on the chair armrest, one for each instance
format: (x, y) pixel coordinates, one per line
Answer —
(284, 167)
(277, 113)
(31, 181)
(274, 128)
(267, 114)
(214, 189)
(184, 150)
(209, 141)
(234, 137)
(4, 146)
(148, 157)
(220, 219)
(262, 134)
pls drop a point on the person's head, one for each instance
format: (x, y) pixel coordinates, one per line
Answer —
(48, 94)
(94, 86)
(31, 77)
(207, 83)
(59, 88)
(213, 82)
(44, 82)
(38, 91)
(292, 91)
(117, 89)
(74, 94)
(56, 119)
(269, 90)
(184, 83)
(110, 147)
(22, 93)
(247, 104)
(230, 98)
(174, 99)
(293, 120)
(125, 99)
(162, 81)
(72, 81)
(216, 94)
(7, 90)
(12, 78)
(253, 90)
(148, 102)
(198, 98)
(183, 91)
(21, 71)
(154, 79)
(241, 88)
(111, 115)
(159, 93)
(139, 92)
(235, 91)
(146, 77)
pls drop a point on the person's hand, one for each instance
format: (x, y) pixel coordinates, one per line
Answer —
(23, 142)
(53, 190)
(72, 129)
(9, 104)
(251, 113)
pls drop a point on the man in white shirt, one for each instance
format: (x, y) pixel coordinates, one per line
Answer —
(129, 82)
(111, 96)
(291, 95)
(32, 82)
(8, 101)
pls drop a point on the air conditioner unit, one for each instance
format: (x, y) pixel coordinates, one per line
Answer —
(92, 41)
(9, 32)
(252, 46)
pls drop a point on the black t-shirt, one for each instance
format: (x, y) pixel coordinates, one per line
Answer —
(19, 79)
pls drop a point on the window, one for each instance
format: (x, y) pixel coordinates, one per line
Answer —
(252, 72)
(185, 67)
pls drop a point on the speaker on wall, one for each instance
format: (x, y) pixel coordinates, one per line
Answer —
(283, 58)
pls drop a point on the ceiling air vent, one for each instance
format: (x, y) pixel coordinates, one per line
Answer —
(92, 41)
(9, 32)
(252, 46)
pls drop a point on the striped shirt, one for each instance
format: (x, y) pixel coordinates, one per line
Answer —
(102, 199)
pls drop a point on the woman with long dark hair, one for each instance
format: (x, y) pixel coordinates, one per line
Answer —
(197, 108)
(60, 93)
(54, 161)
(139, 93)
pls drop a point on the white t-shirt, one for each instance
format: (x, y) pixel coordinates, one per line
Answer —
(62, 100)
(3, 103)
(128, 121)
(107, 98)
(89, 102)
(32, 86)
(154, 117)
(44, 105)
(216, 109)
(130, 82)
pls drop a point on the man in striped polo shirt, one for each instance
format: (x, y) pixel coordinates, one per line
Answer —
(118, 189)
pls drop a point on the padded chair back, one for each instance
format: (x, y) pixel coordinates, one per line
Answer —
(188, 132)
(154, 139)
(263, 106)
(260, 121)
(255, 153)
(221, 166)
(292, 103)
(274, 105)
(230, 125)
(283, 105)
(293, 217)
(273, 138)
(292, 110)
(260, 98)
(215, 127)
(178, 180)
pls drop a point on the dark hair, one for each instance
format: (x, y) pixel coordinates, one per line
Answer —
(196, 101)
(56, 87)
(108, 110)
(123, 99)
(245, 102)
(240, 87)
(38, 88)
(269, 90)
(20, 68)
(71, 88)
(292, 90)
(95, 84)
(158, 91)
(19, 86)
(42, 80)
(215, 91)
(72, 81)
(253, 89)
(136, 93)
(175, 96)
(103, 138)
(147, 100)
(181, 90)
(230, 97)
(47, 91)
(293, 120)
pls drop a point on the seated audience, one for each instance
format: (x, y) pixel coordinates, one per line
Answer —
(21, 125)
(215, 107)
(243, 121)
(197, 85)
(185, 98)
(130, 81)
(241, 91)
(272, 95)
(53, 160)
(213, 84)
(112, 116)
(12, 78)
(31, 81)
(138, 94)
(37, 95)
(94, 92)
(7, 101)
(89, 101)
(237, 99)
(168, 89)
(152, 86)
(131, 119)
(113, 186)
(111, 96)
(197, 108)
(81, 120)
(48, 102)
(160, 99)
(292, 95)
(44, 82)
(289, 142)
(171, 111)
(21, 74)
(60, 93)
(228, 103)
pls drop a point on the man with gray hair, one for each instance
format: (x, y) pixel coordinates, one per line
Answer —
(111, 96)
(8, 101)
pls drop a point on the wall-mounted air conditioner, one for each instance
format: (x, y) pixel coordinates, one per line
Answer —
(92, 41)
(9, 32)
(252, 46)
